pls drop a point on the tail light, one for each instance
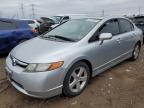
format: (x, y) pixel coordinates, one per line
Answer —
(34, 31)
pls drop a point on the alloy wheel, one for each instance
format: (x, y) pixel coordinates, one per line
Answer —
(136, 51)
(78, 79)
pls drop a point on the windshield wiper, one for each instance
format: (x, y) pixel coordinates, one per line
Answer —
(61, 37)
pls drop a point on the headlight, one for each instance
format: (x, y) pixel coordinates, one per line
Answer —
(43, 67)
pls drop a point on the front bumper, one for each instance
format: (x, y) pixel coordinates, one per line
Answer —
(39, 84)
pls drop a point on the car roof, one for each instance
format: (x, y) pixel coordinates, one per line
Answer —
(102, 18)
(12, 20)
(61, 15)
(7, 19)
(28, 19)
(139, 17)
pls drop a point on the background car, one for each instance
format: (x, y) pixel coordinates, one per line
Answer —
(64, 59)
(34, 24)
(59, 19)
(139, 21)
(13, 32)
(52, 22)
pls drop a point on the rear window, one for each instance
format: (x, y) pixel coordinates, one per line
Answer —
(31, 22)
(7, 25)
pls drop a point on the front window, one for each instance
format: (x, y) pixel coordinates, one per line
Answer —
(110, 27)
(30, 22)
(74, 29)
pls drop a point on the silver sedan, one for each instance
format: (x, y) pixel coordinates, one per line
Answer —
(63, 60)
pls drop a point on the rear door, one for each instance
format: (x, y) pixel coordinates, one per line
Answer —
(127, 36)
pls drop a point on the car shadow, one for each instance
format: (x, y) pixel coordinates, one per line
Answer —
(3, 55)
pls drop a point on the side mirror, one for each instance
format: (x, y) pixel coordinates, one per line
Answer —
(105, 36)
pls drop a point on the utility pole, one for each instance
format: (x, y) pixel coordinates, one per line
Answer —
(17, 15)
(22, 10)
(139, 10)
(0, 13)
(33, 11)
(103, 12)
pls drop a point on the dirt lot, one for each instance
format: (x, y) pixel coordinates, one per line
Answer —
(119, 87)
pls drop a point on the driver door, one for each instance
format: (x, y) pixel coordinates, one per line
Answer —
(106, 54)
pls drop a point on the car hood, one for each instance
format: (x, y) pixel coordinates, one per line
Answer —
(39, 50)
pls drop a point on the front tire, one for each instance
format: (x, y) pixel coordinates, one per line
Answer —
(76, 79)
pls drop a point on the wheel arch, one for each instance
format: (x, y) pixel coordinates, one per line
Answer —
(81, 59)
(139, 42)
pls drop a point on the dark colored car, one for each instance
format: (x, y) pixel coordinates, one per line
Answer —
(45, 25)
(13, 32)
(52, 22)
(139, 21)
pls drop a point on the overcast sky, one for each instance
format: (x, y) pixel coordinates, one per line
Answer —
(11, 8)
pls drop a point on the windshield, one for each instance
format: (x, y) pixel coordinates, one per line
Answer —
(74, 29)
(56, 19)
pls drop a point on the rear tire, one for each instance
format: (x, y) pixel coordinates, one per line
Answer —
(136, 51)
(76, 79)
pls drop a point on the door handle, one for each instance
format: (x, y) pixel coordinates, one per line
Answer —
(119, 40)
(133, 35)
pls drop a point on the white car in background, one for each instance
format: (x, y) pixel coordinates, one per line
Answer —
(59, 19)
(48, 23)
(32, 23)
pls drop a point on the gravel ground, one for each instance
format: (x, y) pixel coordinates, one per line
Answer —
(119, 87)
